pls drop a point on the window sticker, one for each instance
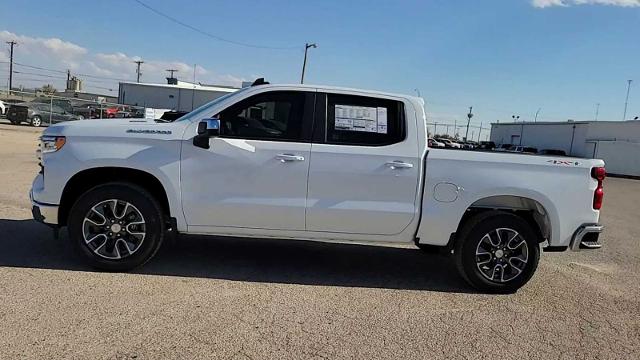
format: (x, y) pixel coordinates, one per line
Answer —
(361, 118)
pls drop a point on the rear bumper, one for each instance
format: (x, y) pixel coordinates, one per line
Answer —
(587, 237)
(44, 213)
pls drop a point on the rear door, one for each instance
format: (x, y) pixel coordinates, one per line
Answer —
(365, 164)
(254, 175)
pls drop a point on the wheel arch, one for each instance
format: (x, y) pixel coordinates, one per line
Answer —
(532, 210)
(86, 179)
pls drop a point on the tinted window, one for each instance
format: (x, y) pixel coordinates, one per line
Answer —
(268, 116)
(360, 120)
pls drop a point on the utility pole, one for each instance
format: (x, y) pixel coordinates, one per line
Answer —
(469, 116)
(597, 110)
(171, 71)
(626, 102)
(138, 62)
(11, 44)
(304, 63)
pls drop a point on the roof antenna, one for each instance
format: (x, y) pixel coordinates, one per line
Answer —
(260, 81)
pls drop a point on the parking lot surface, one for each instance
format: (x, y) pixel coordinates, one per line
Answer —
(276, 299)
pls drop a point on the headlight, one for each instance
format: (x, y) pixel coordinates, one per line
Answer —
(49, 144)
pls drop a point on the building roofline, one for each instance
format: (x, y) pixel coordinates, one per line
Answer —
(568, 122)
(188, 86)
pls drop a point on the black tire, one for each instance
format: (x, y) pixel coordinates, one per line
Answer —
(35, 121)
(468, 243)
(143, 202)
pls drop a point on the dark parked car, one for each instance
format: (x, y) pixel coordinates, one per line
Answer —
(83, 111)
(175, 115)
(554, 152)
(38, 114)
(487, 145)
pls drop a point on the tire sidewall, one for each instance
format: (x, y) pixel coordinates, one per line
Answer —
(473, 235)
(139, 198)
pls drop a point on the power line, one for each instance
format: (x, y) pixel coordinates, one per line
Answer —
(212, 35)
(40, 68)
(43, 75)
(65, 72)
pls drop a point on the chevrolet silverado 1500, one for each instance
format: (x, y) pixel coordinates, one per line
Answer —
(312, 163)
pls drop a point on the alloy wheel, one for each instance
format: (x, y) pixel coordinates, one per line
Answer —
(502, 255)
(114, 229)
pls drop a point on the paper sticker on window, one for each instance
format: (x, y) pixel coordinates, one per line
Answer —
(361, 118)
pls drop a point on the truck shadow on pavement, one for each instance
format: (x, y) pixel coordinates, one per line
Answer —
(28, 244)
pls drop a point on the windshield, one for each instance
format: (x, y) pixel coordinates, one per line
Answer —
(203, 111)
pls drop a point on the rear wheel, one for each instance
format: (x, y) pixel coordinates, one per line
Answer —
(497, 252)
(116, 226)
(36, 121)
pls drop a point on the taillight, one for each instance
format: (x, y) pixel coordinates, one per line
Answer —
(598, 173)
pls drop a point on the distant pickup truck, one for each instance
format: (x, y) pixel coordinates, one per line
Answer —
(312, 163)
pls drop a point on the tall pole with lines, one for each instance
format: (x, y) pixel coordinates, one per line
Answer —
(11, 43)
(138, 73)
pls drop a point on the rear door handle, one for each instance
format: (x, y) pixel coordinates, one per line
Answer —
(289, 157)
(397, 164)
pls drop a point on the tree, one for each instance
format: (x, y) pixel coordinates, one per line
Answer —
(49, 89)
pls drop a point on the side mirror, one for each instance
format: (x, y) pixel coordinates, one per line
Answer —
(207, 128)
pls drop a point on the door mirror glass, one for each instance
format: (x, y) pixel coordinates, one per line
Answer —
(209, 127)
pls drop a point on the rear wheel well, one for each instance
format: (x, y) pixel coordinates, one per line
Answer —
(90, 178)
(528, 209)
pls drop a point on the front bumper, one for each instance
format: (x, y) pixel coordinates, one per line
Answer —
(587, 237)
(44, 213)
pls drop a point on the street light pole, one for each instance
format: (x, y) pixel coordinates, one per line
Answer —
(469, 116)
(304, 63)
(626, 102)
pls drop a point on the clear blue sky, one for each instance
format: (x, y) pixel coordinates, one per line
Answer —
(503, 57)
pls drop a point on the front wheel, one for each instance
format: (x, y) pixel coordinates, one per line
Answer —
(116, 226)
(497, 252)
(36, 121)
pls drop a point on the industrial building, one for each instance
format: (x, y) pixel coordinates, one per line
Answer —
(616, 142)
(176, 95)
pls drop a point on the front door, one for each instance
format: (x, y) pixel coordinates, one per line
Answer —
(254, 175)
(365, 167)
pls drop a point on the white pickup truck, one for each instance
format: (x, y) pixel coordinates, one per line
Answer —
(311, 163)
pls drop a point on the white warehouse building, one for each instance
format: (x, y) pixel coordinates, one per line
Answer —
(180, 96)
(616, 142)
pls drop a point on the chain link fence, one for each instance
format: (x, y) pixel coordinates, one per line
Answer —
(41, 109)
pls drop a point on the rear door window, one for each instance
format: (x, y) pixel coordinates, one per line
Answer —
(362, 120)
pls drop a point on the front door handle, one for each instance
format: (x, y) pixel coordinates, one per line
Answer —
(397, 164)
(289, 157)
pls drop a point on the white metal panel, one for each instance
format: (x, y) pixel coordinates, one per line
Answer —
(621, 157)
